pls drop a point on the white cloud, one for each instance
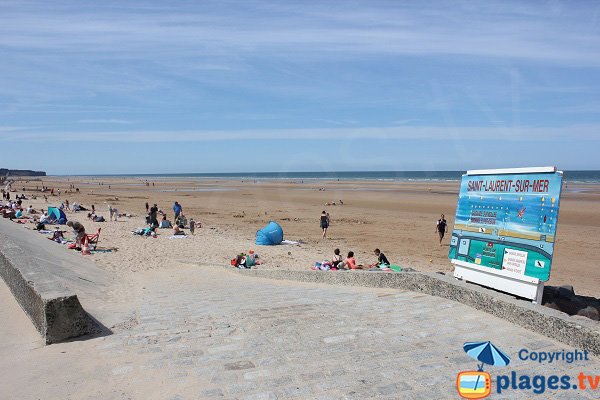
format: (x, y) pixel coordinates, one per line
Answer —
(503, 29)
(105, 121)
(582, 133)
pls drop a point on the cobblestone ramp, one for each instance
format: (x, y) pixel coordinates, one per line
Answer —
(203, 333)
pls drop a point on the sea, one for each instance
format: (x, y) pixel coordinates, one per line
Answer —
(575, 176)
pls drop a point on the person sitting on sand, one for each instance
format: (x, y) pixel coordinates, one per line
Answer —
(44, 218)
(337, 259)
(165, 223)
(9, 213)
(19, 213)
(181, 221)
(381, 259)
(177, 231)
(351, 261)
(57, 236)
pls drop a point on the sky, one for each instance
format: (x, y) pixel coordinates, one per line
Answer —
(103, 87)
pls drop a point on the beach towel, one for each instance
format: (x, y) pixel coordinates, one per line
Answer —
(178, 237)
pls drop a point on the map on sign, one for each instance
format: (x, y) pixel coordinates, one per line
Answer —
(508, 222)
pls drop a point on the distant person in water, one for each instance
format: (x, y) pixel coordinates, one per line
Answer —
(441, 227)
(324, 223)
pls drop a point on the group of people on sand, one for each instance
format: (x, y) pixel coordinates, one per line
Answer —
(180, 223)
(14, 210)
(337, 263)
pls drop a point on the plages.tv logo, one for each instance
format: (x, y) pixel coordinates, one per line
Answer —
(478, 384)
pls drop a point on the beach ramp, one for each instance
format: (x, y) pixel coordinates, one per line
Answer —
(52, 285)
(270, 235)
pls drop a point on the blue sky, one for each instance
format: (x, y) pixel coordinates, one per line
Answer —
(227, 86)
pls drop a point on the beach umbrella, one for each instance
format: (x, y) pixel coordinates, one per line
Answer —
(487, 353)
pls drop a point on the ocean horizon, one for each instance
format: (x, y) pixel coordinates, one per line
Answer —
(581, 176)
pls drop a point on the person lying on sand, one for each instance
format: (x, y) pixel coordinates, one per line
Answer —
(57, 236)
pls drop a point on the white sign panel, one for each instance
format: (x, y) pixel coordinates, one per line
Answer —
(515, 261)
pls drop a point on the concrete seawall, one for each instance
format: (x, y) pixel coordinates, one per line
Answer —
(38, 273)
(578, 332)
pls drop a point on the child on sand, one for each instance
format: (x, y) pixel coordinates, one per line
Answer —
(192, 225)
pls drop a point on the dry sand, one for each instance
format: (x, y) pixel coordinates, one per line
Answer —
(397, 217)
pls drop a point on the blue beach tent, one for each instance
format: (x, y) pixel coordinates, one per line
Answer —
(270, 235)
(57, 215)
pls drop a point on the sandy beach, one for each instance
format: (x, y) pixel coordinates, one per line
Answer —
(396, 217)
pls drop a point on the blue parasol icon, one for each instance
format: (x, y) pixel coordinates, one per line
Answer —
(487, 353)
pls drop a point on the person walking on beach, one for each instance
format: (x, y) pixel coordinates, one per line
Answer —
(324, 223)
(192, 225)
(441, 228)
(177, 209)
(147, 207)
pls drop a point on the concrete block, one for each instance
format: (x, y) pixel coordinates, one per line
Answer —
(53, 308)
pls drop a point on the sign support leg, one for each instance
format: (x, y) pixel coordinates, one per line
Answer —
(539, 294)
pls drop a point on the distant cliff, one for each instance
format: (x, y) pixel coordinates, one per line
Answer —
(20, 172)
